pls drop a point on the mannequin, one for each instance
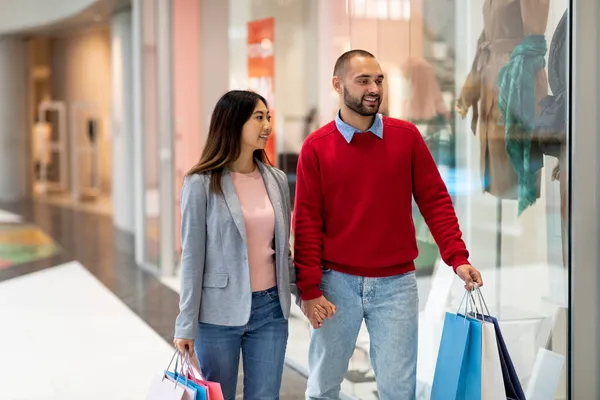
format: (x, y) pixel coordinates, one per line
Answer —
(551, 124)
(507, 24)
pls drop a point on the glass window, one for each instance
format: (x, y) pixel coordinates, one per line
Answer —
(448, 70)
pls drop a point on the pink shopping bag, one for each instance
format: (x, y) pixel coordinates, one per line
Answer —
(213, 388)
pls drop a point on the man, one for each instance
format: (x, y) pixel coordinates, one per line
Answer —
(355, 242)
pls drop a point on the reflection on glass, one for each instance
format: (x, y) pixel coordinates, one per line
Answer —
(495, 126)
(511, 152)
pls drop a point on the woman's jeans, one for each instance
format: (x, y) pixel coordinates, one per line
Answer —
(262, 341)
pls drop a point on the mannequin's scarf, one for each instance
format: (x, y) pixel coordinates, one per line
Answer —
(516, 82)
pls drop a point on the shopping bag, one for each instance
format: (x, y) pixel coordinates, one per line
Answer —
(165, 387)
(512, 385)
(193, 377)
(213, 388)
(492, 382)
(184, 377)
(451, 357)
(470, 379)
(201, 391)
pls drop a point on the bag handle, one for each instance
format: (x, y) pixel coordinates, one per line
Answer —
(471, 305)
(175, 368)
(191, 371)
(182, 366)
(482, 302)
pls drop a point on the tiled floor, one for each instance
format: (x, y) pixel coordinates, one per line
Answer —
(72, 321)
(72, 331)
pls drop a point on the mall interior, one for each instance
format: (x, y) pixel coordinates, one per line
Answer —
(105, 106)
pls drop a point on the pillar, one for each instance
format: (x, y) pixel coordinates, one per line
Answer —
(122, 120)
(14, 152)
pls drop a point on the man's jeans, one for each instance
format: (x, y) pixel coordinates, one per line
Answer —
(262, 341)
(390, 308)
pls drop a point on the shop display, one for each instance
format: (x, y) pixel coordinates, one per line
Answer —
(507, 55)
(508, 25)
(517, 106)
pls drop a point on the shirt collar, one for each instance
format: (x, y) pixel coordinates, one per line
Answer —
(348, 132)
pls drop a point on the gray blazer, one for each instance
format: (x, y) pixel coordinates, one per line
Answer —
(215, 276)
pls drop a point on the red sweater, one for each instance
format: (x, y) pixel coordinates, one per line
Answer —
(353, 208)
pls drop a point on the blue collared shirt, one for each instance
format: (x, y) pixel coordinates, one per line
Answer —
(348, 132)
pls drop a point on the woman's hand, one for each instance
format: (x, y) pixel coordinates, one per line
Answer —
(187, 346)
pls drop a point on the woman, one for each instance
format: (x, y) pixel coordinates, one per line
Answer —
(236, 271)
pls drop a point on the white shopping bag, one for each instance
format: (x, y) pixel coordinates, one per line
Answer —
(163, 387)
(492, 382)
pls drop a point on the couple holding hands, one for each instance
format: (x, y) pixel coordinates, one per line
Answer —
(354, 243)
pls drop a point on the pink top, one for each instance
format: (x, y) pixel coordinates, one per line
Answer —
(259, 219)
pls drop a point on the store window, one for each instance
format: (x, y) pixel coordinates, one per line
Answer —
(485, 82)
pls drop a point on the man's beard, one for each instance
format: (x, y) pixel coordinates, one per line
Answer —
(358, 107)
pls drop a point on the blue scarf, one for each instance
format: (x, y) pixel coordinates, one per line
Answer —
(516, 82)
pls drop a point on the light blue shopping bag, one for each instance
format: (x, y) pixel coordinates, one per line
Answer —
(185, 378)
(201, 390)
(470, 380)
(452, 356)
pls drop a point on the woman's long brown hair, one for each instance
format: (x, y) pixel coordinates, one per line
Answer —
(224, 141)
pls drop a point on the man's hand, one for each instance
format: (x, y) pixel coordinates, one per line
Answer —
(317, 310)
(469, 275)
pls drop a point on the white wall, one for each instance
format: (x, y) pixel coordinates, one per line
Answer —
(81, 66)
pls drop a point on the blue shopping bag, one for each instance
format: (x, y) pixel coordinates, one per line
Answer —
(470, 380)
(458, 369)
(451, 357)
(201, 391)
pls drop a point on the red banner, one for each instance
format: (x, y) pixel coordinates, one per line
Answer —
(261, 69)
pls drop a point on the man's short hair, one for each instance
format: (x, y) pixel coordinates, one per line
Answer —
(342, 62)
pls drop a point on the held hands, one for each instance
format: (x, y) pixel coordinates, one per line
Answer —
(469, 275)
(317, 310)
(187, 346)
